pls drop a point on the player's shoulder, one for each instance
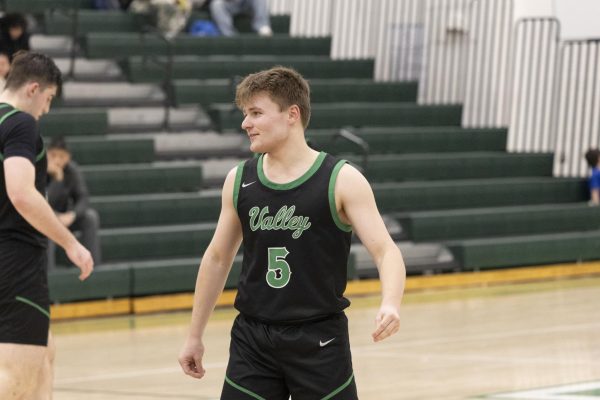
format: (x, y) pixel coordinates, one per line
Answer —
(18, 121)
(349, 174)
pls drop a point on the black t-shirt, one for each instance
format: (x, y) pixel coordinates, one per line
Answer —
(19, 137)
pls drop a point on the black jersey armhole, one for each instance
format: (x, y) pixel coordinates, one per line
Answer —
(331, 194)
(236, 184)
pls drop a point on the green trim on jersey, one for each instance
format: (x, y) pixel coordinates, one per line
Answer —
(34, 305)
(243, 390)
(237, 182)
(8, 114)
(334, 212)
(336, 391)
(290, 185)
(4, 117)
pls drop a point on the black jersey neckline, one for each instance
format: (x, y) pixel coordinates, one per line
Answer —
(293, 184)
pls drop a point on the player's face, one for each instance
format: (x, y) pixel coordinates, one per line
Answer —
(41, 99)
(265, 123)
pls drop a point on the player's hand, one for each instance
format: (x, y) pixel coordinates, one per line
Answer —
(387, 322)
(190, 358)
(82, 259)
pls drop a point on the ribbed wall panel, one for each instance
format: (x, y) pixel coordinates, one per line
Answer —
(533, 85)
(280, 7)
(399, 52)
(487, 95)
(446, 42)
(311, 18)
(578, 104)
(354, 33)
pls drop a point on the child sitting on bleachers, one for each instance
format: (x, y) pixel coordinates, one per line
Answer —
(592, 157)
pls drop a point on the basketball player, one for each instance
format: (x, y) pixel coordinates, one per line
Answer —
(294, 209)
(26, 349)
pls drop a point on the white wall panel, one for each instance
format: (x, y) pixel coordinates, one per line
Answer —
(577, 126)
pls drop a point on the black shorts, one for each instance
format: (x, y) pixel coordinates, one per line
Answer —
(24, 300)
(307, 361)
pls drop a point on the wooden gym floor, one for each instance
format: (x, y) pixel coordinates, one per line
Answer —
(538, 339)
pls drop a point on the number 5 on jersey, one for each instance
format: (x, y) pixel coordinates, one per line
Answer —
(279, 272)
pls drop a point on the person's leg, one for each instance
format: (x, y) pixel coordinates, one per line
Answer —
(261, 22)
(317, 362)
(89, 225)
(252, 371)
(222, 12)
(43, 390)
(19, 367)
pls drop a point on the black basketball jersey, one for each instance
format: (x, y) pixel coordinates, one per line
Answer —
(19, 136)
(295, 246)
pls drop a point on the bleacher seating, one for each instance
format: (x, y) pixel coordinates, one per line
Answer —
(439, 182)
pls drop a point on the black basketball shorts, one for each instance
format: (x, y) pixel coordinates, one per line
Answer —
(24, 300)
(309, 361)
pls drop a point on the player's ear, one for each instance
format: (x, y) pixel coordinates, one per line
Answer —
(31, 88)
(293, 114)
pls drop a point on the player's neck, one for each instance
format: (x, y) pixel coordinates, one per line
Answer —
(12, 98)
(288, 161)
(293, 152)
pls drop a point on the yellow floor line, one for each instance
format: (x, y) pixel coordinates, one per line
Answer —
(86, 309)
(184, 301)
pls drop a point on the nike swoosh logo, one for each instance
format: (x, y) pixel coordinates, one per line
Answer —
(247, 184)
(323, 344)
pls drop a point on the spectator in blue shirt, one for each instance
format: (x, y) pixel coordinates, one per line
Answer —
(593, 159)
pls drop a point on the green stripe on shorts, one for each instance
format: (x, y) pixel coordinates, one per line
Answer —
(336, 391)
(243, 390)
(34, 305)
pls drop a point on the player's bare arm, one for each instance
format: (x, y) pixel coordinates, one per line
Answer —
(356, 206)
(20, 185)
(214, 269)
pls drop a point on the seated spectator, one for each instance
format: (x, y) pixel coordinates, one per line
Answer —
(223, 11)
(171, 15)
(68, 197)
(13, 34)
(593, 159)
(4, 67)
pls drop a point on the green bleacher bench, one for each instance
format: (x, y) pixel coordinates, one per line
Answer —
(337, 115)
(150, 243)
(101, 150)
(181, 208)
(477, 193)
(74, 121)
(141, 278)
(157, 209)
(223, 67)
(142, 178)
(516, 251)
(104, 283)
(60, 23)
(207, 91)
(474, 165)
(41, 6)
(122, 45)
(498, 221)
(173, 276)
(402, 140)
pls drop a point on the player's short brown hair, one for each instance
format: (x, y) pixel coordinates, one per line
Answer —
(33, 67)
(285, 87)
